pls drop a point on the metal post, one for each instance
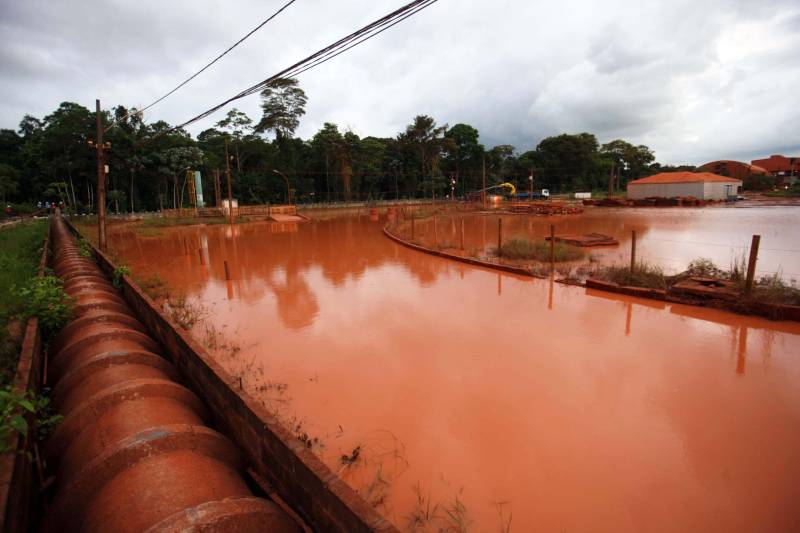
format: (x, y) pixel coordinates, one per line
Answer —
(633, 251)
(552, 248)
(101, 180)
(499, 236)
(230, 192)
(751, 264)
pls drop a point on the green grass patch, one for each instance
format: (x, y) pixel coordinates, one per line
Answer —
(20, 252)
(643, 275)
(519, 248)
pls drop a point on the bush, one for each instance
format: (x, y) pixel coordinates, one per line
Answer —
(14, 411)
(45, 299)
(539, 250)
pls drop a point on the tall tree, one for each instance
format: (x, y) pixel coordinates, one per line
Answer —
(238, 125)
(283, 102)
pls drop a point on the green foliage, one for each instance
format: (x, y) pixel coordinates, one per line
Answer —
(283, 103)
(16, 409)
(758, 182)
(45, 299)
(84, 248)
(643, 275)
(519, 248)
(117, 276)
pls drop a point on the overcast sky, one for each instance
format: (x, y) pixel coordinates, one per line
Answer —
(694, 80)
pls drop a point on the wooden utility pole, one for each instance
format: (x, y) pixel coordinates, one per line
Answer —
(751, 264)
(217, 189)
(100, 147)
(499, 236)
(228, 174)
(483, 188)
(633, 251)
(552, 248)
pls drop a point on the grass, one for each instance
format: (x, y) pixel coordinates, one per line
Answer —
(164, 222)
(643, 275)
(519, 248)
(20, 252)
(791, 192)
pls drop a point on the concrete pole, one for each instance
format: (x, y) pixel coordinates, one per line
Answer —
(228, 174)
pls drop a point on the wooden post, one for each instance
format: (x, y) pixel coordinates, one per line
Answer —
(552, 248)
(499, 236)
(462, 233)
(751, 264)
(227, 271)
(633, 251)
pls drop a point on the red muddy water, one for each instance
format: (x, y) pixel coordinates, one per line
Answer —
(450, 395)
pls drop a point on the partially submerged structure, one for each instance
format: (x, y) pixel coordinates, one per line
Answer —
(701, 185)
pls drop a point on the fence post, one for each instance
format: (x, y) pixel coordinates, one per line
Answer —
(633, 251)
(751, 264)
(462, 233)
(499, 236)
(552, 248)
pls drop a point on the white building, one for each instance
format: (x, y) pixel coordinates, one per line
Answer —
(702, 185)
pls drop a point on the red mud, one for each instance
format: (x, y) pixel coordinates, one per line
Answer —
(573, 409)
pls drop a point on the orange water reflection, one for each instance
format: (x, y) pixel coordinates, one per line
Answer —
(574, 410)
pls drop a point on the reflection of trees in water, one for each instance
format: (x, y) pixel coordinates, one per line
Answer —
(257, 253)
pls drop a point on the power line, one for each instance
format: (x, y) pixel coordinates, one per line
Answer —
(329, 52)
(220, 56)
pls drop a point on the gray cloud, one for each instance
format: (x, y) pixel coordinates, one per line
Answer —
(693, 80)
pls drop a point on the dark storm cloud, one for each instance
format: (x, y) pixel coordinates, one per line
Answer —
(693, 80)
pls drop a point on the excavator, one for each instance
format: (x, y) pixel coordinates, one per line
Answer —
(512, 191)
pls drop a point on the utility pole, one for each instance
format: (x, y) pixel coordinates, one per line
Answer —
(228, 174)
(100, 147)
(483, 189)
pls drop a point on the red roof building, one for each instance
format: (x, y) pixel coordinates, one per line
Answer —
(779, 165)
(732, 169)
(703, 185)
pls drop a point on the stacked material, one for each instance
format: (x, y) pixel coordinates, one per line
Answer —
(132, 452)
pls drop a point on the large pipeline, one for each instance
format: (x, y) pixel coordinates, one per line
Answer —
(133, 452)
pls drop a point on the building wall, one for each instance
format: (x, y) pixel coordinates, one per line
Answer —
(780, 165)
(719, 191)
(665, 190)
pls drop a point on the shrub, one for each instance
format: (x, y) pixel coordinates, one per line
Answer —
(45, 299)
(14, 411)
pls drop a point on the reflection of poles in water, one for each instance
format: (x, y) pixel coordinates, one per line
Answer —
(628, 318)
(550, 292)
(499, 284)
(742, 352)
(229, 284)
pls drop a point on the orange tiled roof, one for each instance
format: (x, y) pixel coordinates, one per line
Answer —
(684, 177)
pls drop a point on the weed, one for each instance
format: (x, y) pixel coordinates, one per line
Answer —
(46, 300)
(773, 290)
(155, 287)
(120, 271)
(520, 248)
(183, 312)
(705, 268)
(84, 248)
(643, 275)
(505, 523)
(348, 460)
(15, 409)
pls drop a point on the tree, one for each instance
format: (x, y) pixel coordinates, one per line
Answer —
(175, 162)
(569, 161)
(464, 156)
(237, 124)
(630, 162)
(283, 103)
(9, 181)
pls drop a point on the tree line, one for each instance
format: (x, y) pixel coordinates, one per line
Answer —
(49, 159)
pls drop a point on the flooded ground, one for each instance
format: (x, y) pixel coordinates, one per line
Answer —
(669, 238)
(454, 396)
